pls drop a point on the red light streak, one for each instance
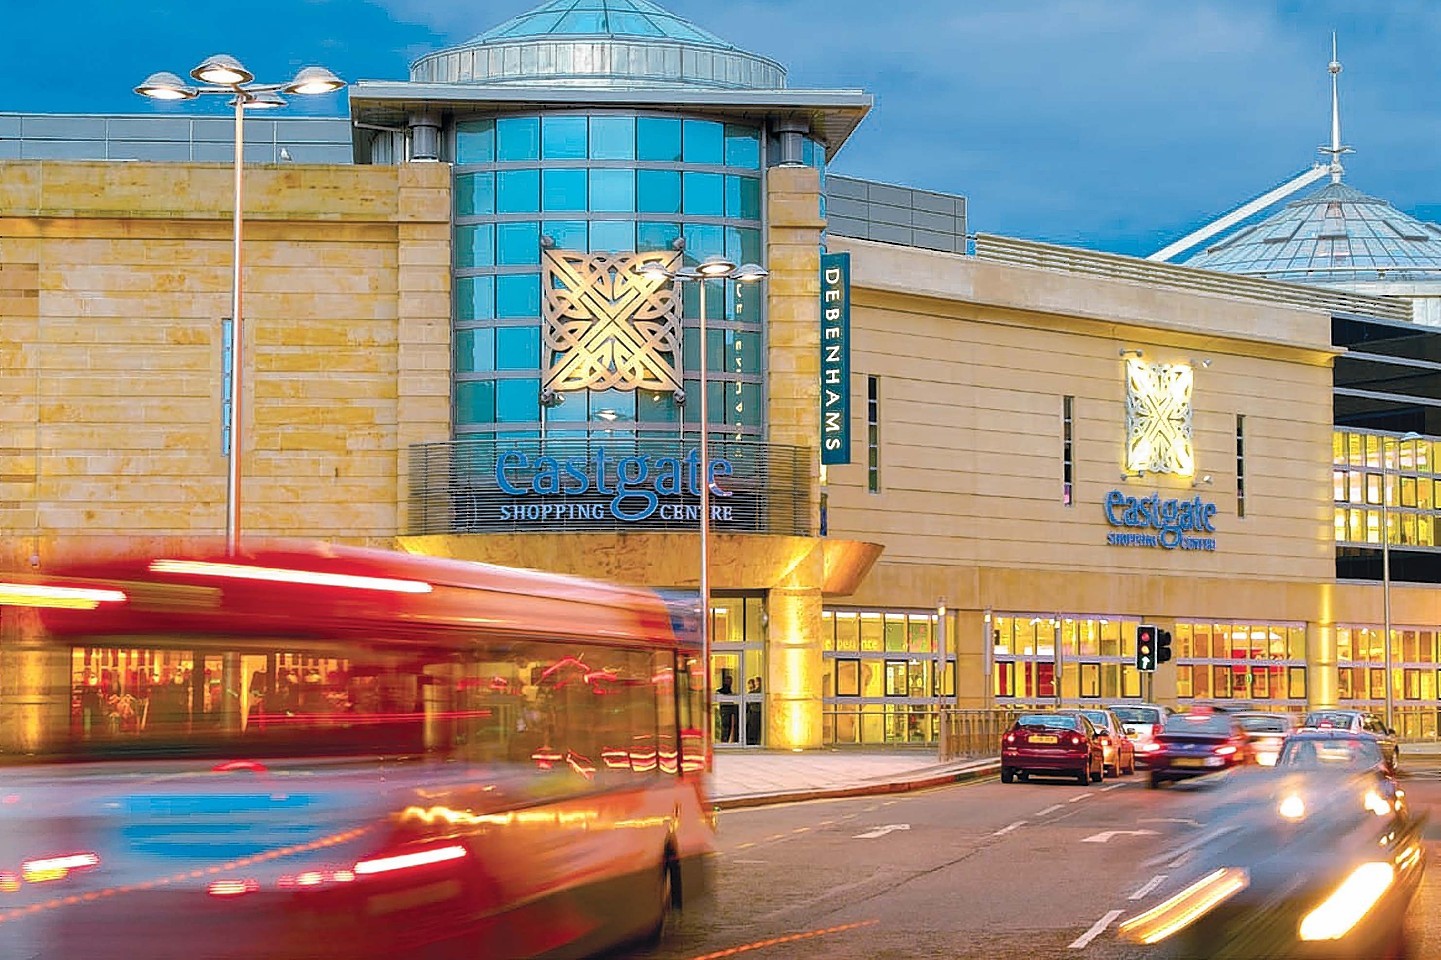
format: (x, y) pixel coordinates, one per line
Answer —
(231, 766)
(312, 578)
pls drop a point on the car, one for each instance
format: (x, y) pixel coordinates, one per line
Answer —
(1196, 743)
(1358, 721)
(1266, 732)
(1118, 752)
(1319, 858)
(1059, 743)
(1142, 723)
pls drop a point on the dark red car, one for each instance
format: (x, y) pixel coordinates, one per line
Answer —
(1063, 743)
(1199, 742)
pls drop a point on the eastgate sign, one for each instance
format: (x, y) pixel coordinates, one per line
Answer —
(638, 486)
(1172, 520)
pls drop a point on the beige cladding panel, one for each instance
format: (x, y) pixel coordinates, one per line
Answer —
(129, 271)
(971, 422)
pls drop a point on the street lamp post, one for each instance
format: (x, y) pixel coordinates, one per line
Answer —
(225, 76)
(1386, 565)
(711, 268)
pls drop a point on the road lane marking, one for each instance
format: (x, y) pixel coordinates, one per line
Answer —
(744, 845)
(1148, 886)
(800, 830)
(1078, 799)
(881, 831)
(1105, 835)
(776, 836)
(1007, 829)
(1051, 809)
(1114, 786)
(1194, 823)
(1096, 930)
(790, 938)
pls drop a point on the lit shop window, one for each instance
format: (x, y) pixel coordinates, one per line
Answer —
(1256, 662)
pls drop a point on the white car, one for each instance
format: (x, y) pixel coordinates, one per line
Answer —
(1142, 723)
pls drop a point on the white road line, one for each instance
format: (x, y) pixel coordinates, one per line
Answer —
(1051, 809)
(1148, 886)
(1008, 828)
(1096, 930)
(1079, 798)
(1114, 786)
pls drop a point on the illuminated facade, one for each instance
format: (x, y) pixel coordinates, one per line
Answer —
(455, 354)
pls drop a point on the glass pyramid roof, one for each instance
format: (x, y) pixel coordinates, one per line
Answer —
(601, 18)
(1336, 235)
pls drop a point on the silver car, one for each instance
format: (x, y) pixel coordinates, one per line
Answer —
(1118, 752)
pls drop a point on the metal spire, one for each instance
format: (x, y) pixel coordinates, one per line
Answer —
(1336, 148)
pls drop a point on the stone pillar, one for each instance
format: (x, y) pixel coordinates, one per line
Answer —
(968, 639)
(793, 322)
(1322, 675)
(422, 381)
(794, 663)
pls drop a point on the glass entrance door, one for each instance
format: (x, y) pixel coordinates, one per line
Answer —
(738, 671)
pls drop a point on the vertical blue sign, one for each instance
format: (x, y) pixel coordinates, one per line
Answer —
(835, 358)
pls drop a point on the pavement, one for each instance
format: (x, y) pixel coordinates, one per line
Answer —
(755, 778)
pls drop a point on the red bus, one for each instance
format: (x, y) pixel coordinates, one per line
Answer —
(311, 752)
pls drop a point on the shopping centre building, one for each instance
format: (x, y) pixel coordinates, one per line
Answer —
(945, 469)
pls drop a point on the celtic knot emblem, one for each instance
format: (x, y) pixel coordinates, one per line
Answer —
(1158, 418)
(607, 326)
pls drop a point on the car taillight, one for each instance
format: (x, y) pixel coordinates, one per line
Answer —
(1156, 729)
(1077, 740)
(409, 861)
(315, 878)
(45, 869)
(1225, 751)
(1010, 738)
(232, 888)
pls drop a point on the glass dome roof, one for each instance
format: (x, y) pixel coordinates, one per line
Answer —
(1336, 235)
(600, 43)
(590, 18)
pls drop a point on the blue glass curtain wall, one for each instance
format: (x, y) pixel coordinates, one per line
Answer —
(612, 183)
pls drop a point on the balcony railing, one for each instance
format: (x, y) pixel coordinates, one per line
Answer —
(603, 484)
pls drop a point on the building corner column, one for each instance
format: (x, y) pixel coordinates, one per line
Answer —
(968, 638)
(794, 661)
(1322, 674)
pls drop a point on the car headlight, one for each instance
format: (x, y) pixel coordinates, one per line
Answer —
(1292, 808)
(1377, 804)
(1349, 902)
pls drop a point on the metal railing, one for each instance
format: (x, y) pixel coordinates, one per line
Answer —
(607, 484)
(974, 733)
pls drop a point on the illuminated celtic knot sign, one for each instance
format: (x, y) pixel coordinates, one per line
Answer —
(607, 326)
(1158, 418)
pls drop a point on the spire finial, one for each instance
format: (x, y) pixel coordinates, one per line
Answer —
(1336, 148)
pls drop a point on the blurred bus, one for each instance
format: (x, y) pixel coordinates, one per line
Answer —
(309, 752)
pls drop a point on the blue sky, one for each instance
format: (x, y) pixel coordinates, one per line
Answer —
(1112, 124)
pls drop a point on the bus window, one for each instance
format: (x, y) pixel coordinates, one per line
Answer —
(579, 716)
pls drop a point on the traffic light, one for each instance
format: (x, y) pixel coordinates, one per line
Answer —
(1163, 646)
(1146, 648)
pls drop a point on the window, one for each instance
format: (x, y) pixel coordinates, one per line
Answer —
(1240, 465)
(873, 434)
(1067, 454)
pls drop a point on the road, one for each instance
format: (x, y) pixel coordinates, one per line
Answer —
(1020, 872)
